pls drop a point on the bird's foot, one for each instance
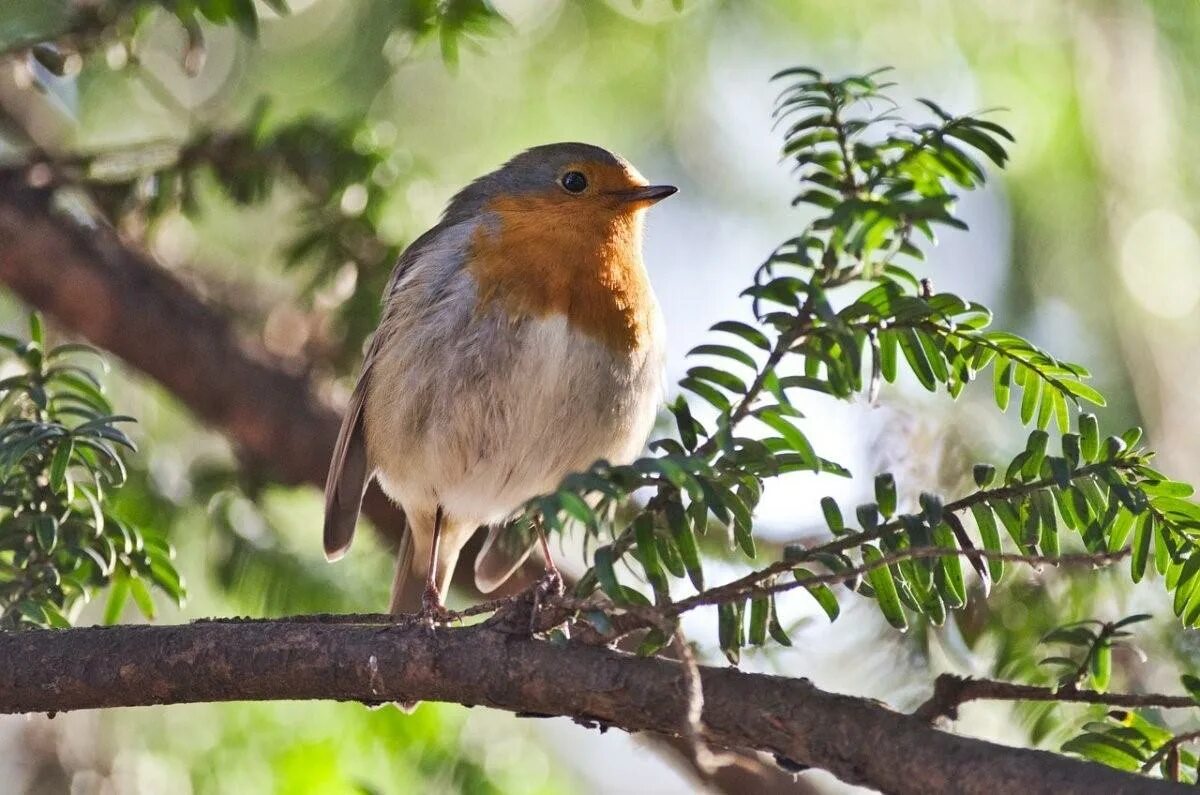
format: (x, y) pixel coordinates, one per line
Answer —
(433, 612)
(551, 584)
(545, 589)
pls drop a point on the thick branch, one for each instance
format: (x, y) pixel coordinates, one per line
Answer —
(856, 739)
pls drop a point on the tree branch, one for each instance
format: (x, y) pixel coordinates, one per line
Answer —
(856, 739)
(951, 691)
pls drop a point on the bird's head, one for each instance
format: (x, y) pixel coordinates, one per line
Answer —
(573, 183)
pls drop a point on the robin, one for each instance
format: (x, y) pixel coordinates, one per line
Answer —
(520, 340)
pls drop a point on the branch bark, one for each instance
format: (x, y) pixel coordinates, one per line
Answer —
(858, 740)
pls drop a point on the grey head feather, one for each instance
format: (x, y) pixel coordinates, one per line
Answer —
(534, 170)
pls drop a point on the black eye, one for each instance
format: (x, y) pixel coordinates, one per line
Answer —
(574, 182)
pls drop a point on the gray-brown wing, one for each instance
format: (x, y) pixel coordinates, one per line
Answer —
(349, 469)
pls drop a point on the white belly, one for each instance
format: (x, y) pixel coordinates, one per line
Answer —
(482, 422)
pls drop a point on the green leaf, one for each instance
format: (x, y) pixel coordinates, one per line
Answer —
(989, 534)
(868, 516)
(729, 630)
(914, 354)
(1187, 583)
(55, 617)
(45, 531)
(1089, 437)
(37, 331)
(760, 609)
(60, 462)
(141, 597)
(833, 515)
(245, 16)
(797, 441)
(885, 494)
(1002, 383)
(1100, 667)
(118, 593)
(984, 474)
(881, 580)
(775, 629)
(603, 561)
(726, 352)
(653, 642)
(824, 596)
(1030, 397)
(685, 542)
(1192, 685)
(745, 331)
(931, 506)
(1106, 750)
(721, 378)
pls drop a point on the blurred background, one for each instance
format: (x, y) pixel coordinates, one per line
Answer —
(1088, 244)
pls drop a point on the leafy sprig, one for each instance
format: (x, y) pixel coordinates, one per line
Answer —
(837, 314)
(61, 453)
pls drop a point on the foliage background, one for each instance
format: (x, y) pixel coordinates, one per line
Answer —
(1088, 245)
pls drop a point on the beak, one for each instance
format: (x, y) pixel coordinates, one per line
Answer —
(646, 194)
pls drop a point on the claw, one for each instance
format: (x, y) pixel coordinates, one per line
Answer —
(433, 612)
(550, 585)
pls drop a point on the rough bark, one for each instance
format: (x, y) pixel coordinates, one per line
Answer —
(858, 740)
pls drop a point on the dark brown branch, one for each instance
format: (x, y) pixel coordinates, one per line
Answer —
(856, 739)
(951, 691)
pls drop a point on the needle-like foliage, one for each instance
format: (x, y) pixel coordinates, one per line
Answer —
(840, 309)
(61, 453)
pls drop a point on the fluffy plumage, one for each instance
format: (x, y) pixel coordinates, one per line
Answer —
(520, 341)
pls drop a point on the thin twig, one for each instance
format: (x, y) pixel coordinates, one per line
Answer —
(951, 691)
(1169, 746)
(707, 761)
(748, 586)
(843, 543)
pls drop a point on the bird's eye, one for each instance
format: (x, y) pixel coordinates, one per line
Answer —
(574, 182)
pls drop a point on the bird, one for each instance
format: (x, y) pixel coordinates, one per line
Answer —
(520, 340)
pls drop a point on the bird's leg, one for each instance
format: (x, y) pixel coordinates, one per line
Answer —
(432, 608)
(553, 575)
(551, 583)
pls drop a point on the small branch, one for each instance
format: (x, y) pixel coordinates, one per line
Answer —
(706, 762)
(748, 586)
(843, 543)
(951, 691)
(1170, 747)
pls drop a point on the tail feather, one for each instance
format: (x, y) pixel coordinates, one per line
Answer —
(412, 567)
(406, 587)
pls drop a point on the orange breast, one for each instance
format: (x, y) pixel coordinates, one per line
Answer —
(543, 256)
